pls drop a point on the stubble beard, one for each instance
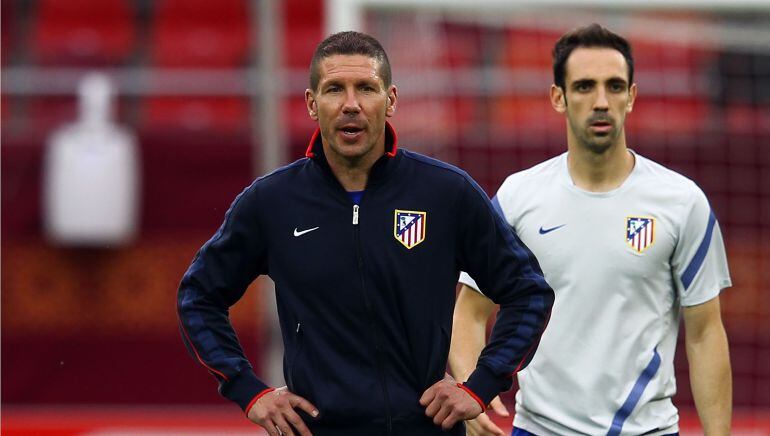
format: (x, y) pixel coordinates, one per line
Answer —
(352, 161)
(596, 144)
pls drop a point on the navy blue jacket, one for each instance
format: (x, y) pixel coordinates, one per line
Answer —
(365, 306)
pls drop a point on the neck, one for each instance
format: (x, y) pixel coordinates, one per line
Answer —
(352, 174)
(352, 178)
(599, 172)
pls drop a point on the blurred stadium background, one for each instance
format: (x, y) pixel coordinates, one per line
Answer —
(212, 93)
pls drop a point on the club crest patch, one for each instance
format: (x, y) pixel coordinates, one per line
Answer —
(409, 227)
(640, 232)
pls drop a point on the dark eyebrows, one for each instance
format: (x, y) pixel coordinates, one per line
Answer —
(618, 81)
(325, 84)
(591, 82)
(583, 82)
(370, 81)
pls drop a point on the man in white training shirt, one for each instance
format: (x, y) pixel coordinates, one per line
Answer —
(627, 245)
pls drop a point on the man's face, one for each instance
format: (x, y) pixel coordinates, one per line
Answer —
(597, 97)
(350, 105)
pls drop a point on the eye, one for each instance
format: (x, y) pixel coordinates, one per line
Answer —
(333, 89)
(617, 87)
(368, 88)
(582, 87)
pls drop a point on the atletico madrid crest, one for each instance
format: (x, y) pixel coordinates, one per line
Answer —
(640, 232)
(409, 227)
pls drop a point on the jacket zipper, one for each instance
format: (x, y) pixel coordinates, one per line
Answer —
(378, 340)
(295, 355)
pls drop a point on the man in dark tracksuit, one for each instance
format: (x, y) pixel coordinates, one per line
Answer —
(365, 242)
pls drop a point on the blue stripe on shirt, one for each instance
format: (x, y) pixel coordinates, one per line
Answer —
(498, 208)
(636, 393)
(700, 255)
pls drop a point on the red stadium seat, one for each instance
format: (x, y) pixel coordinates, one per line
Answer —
(529, 49)
(652, 55)
(90, 32)
(463, 46)
(200, 33)
(525, 116)
(303, 20)
(669, 116)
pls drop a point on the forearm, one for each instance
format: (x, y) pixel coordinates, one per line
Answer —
(711, 379)
(509, 274)
(468, 332)
(209, 337)
(513, 341)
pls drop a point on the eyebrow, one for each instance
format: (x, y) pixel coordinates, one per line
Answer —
(583, 82)
(357, 82)
(612, 80)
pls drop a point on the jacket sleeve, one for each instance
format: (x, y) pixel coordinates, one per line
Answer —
(217, 278)
(491, 252)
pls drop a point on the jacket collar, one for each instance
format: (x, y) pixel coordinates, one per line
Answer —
(381, 168)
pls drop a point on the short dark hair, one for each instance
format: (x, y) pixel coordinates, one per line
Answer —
(349, 43)
(593, 35)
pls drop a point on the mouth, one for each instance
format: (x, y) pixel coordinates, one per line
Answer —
(350, 131)
(601, 126)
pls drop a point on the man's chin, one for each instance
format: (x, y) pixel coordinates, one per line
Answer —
(599, 145)
(351, 152)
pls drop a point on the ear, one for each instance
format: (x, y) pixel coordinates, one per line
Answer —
(558, 99)
(312, 106)
(390, 109)
(631, 97)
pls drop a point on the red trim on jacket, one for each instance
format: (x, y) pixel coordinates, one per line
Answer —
(394, 148)
(192, 345)
(388, 128)
(534, 345)
(309, 151)
(256, 398)
(473, 395)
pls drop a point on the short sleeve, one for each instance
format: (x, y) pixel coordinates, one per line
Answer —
(467, 280)
(699, 260)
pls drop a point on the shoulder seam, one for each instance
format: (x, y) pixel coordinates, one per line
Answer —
(468, 181)
(283, 169)
(435, 163)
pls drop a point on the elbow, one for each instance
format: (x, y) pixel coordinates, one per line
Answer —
(548, 298)
(549, 293)
(183, 295)
(190, 297)
(548, 307)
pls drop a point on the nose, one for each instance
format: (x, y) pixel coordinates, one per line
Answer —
(350, 105)
(601, 103)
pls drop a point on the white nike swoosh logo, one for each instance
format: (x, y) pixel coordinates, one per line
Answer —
(298, 233)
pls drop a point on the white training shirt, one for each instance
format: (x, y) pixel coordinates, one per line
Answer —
(605, 364)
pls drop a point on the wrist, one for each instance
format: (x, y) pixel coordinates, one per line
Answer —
(256, 398)
(473, 395)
